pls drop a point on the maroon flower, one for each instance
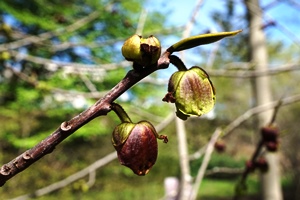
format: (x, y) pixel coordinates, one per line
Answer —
(136, 145)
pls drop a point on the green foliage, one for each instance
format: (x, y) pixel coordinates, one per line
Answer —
(219, 160)
(50, 100)
(30, 112)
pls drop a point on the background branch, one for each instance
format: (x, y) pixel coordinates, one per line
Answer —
(245, 116)
(206, 159)
(48, 35)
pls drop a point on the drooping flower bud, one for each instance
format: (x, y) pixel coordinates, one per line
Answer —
(220, 146)
(136, 145)
(192, 92)
(142, 51)
(270, 136)
(261, 164)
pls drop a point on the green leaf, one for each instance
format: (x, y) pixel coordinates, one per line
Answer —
(197, 40)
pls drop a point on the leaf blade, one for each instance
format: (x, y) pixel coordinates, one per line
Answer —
(198, 40)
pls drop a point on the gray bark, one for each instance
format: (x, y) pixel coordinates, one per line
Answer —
(271, 189)
(186, 179)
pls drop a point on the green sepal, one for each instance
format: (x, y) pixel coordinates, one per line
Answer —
(121, 133)
(131, 49)
(175, 80)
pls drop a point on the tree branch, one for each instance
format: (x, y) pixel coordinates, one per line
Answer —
(245, 116)
(101, 107)
(206, 159)
(88, 170)
(70, 179)
(48, 35)
(68, 66)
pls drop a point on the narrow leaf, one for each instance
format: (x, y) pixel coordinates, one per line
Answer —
(197, 40)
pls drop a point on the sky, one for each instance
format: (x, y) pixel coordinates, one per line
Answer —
(286, 15)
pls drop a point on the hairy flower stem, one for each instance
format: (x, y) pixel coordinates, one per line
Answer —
(177, 62)
(123, 116)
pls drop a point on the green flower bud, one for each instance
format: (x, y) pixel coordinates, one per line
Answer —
(143, 52)
(192, 92)
(136, 145)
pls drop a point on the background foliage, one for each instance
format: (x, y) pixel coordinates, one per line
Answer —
(37, 96)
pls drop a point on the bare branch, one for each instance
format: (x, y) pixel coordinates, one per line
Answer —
(101, 107)
(225, 170)
(186, 179)
(250, 74)
(256, 110)
(63, 183)
(248, 114)
(206, 159)
(75, 67)
(48, 35)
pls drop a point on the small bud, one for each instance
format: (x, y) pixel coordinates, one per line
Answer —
(270, 133)
(270, 136)
(272, 146)
(250, 166)
(143, 52)
(136, 145)
(192, 92)
(220, 146)
(262, 164)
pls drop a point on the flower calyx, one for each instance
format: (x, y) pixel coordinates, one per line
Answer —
(142, 51)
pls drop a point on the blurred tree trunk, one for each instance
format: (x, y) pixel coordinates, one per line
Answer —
(185, 180)
(271, 189)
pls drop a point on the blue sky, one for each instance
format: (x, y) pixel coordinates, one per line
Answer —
(286, 15)
(179, 12)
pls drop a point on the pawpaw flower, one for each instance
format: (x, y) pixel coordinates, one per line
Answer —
(192, 92)
(136, 145)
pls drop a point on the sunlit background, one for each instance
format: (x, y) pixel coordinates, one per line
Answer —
(57, 58)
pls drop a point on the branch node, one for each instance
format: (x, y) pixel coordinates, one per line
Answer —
(65, 126)
(5, 170)
(26, 156)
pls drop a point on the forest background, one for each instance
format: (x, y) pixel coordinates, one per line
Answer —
(61, 59)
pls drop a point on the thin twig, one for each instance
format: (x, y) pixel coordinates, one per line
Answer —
(224, 170)
(256, 154)
(70, 179)
(48, 35)
(248, 114)
(141, 23)
(206, 159)
(256, 110)
(186, 179)
(250, 73)
(69, 66)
